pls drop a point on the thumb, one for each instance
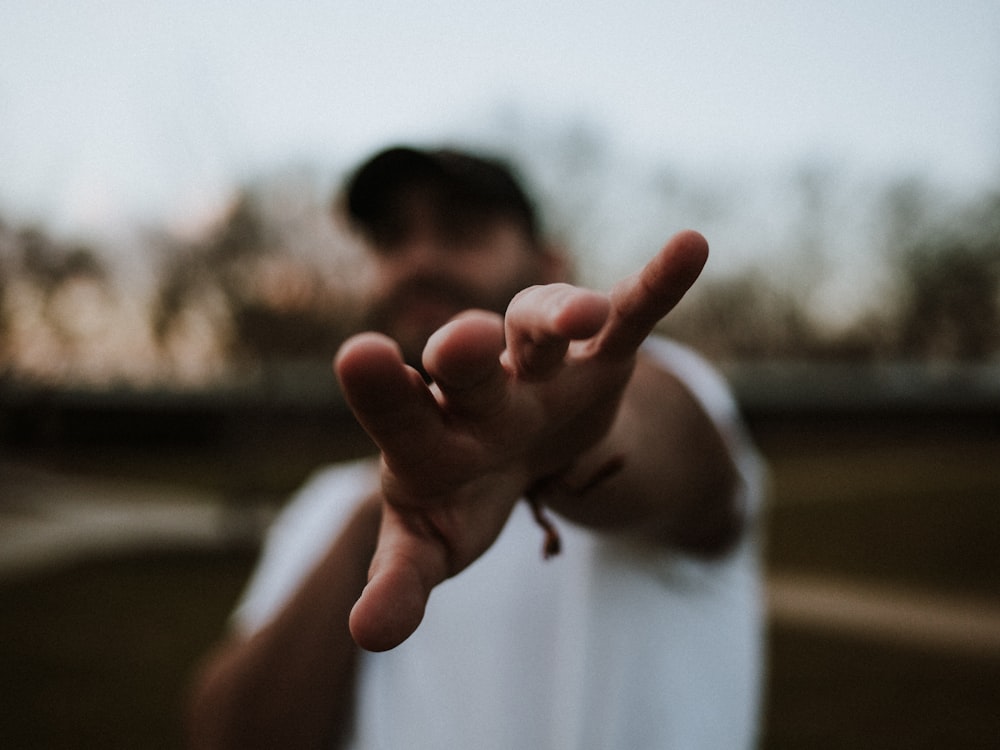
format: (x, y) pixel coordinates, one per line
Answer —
(405, 569)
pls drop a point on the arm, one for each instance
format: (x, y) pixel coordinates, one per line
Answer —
(291, 683)
(555, 388)
(662, 471)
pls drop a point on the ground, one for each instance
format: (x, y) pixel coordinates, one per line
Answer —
(97, 650)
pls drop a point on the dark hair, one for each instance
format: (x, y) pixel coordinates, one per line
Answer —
(463, 192)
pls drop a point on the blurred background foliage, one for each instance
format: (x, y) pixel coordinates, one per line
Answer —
(272, 281)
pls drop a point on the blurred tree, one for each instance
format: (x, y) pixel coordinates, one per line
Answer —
(263, 302)
(54, 269)
(272, 281)
(49, 265)
(950, 310)
(55, 297)
(746, 316)
(200, 274)
(6, 270)
(949, 273)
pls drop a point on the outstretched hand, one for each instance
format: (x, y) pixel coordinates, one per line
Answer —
(512, 399)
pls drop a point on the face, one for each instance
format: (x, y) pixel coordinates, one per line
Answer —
(421, 282)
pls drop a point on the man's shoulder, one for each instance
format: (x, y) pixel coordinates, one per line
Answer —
(360, 471)
(329, 491)
(702, 378)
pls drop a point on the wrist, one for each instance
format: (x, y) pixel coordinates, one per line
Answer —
(564, 487)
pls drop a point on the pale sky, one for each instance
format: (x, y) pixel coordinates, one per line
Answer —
(150, 109)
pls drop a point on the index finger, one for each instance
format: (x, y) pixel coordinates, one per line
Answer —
(389, 399)
(642, 300)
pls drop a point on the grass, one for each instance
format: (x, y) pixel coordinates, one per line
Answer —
(916, 505)
(831, 693)
(99, 655)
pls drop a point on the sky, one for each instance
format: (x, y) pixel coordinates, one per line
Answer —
(119, 111)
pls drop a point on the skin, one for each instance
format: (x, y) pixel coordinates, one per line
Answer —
(499, 402)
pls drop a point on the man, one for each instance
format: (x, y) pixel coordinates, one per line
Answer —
(405, 603)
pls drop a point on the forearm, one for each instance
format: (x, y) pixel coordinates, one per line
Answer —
(662, 471)
(291, 683)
